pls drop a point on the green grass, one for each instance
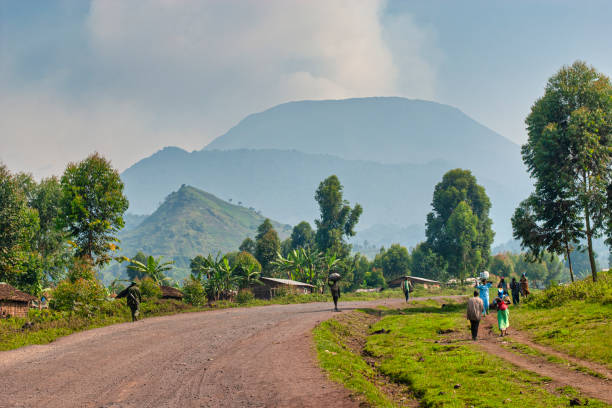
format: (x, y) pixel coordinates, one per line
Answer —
(525, 349)
(415, 350)
(580, 329)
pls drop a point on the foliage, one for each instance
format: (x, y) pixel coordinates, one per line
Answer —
(375, 278)
(337, 219)
(304, 265)
(267, 245)
(394, 262)
(502, 265)
(193, 292)
(589, 291)
(153, 268)
(80, 291)
(244, 296)
(248, 245)
(149, 289)
(302, 236)
(18, 227)
(132, 270)
(459, 227)
(428, 264)
(92, 206)
(569, 152)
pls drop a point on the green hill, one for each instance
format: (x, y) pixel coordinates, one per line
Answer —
(192, 222)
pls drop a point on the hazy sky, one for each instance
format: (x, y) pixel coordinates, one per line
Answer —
(129, 77)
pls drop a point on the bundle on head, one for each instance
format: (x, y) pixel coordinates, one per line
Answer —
(334, 277)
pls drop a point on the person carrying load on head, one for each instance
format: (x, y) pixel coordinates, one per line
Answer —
(483, 290)
(133, 298)
(334, 287)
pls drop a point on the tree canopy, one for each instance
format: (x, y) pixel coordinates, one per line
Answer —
(92, 206)
(569, 155)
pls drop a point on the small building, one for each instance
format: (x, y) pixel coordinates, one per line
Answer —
(272, 286)
(13, 302)
(396, 283)
(168, 292)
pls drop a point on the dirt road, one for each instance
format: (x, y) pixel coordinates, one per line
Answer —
(247, 357)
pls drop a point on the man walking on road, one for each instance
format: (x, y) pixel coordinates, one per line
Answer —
(515, 288)
(475, 307)
(132, 295)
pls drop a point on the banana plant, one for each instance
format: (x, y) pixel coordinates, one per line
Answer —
(154, 268)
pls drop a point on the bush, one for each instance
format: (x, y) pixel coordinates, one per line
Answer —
(586, 289)
(149, 289)
(82, 296)
(245, 296)
(193, 292)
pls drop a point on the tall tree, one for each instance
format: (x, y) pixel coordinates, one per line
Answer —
(92, 206)
(460, 186)
(302, 236)
(337, 218)
(18, 227)
(570, 140)
(247, 245)
(464, 251)
(394, 262)
(428, 264)
(267, 247)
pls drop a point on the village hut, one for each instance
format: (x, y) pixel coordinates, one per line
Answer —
(273, 286)
(395, 283)
(13, 302)
(168, 292)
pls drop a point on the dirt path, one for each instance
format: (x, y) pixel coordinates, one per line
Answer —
(489, 341)
(247, 357)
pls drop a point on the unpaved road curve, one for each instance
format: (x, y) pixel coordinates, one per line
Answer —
(245, 357)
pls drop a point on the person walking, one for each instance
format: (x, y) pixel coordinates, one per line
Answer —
(133, 298)
(334, 287)
(503, 314)
(483, 289)
(503, 285)
(475, 308)
(407, 287)
(524, 286)
(515, 288)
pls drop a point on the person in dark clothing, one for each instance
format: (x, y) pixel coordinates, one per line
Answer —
(334, 287)
(133, 298)
(515, 288)
(503, 285)
(475, 309)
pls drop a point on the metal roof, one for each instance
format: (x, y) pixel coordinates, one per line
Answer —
(287, 282)
(414, 279)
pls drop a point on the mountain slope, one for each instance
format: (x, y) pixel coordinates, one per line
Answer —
(192, 222)
(382, 129)
(282, 184)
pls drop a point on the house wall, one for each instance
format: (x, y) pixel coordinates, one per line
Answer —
(13, 308)
(269, 290)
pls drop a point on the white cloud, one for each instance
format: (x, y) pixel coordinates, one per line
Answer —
(181, 72)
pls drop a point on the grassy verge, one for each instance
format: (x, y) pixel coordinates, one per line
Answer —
(412, 347)
(574, 319)
(521, 348)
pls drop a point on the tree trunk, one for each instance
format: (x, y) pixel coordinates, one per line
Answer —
(569, 260)
(589, 234)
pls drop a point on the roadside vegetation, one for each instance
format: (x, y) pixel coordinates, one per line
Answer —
(417, 356)
(574, 318)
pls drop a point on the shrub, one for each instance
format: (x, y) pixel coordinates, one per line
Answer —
(244, 296)
(193, 292)
(149, 289)
(586, 289)
(82, 296)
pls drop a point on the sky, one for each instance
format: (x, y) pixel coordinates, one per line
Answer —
(126, 78)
